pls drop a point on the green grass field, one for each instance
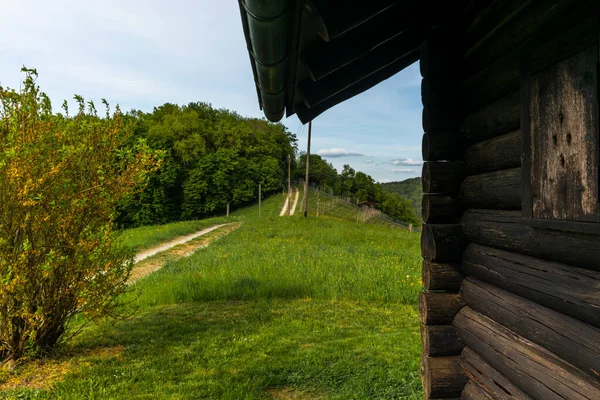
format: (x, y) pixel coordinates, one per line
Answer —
(281, 308)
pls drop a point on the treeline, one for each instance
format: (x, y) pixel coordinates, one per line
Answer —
(210, 157)
(411, 189)
(358, 186)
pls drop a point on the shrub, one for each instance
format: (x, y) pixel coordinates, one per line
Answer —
(60, 178)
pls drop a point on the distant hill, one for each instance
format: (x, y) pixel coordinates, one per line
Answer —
(410, 189)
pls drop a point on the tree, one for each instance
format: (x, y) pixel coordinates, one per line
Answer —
(60, 180)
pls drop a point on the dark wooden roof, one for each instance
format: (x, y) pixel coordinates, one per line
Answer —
(338, 49)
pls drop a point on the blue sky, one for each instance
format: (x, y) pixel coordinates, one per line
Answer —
(141, 54)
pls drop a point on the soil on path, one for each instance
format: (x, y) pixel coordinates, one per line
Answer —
(150, 260)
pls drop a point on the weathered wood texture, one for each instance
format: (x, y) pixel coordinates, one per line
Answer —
(568, 338)
(496, 384)
(502, 77)
(498, 118)
(443, 146)
(570, 290)
(442, 243)
(440, 341)
(474, 391)
(442, 177)
(438, 308)
(505, 230)
(438, 276)
(442, 377)
(564, 136)
(500, 190)
(502, 152)
(535, 370)
(441, 209)
(441, 119)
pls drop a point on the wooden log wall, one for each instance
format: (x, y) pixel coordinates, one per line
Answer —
(442, 239)
(526, 316)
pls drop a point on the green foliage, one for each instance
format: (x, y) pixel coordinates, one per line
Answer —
(212, 157)
(411, 189)
(60, 180)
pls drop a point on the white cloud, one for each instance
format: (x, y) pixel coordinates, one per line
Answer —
(369, 161)
(406, 162)
(337, 152)
(402, 170)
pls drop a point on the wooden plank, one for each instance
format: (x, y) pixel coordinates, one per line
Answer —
(525, 92)
(438, 276)
(500, 190)
(568, 338)
(564, 127)
(442, 242)
(480, 371)
(442, 177)
(441, 209)
(442, 119)
(570, 290)
(443, 146)
(440, 341)
(503, 76)
(501, 152)
(500, 117)
(536, 371)
(474, 391)
(442, 377)
(438, 308)
(505, 230)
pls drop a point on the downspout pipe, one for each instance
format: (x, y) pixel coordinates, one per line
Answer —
(267, 28)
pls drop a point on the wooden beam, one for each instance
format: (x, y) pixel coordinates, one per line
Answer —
(505, 230)
(568, 338)
(442, 243)
(314, 93)
(438, 308)
(441, 209)
(480, 371)
(536, 371)
(442, 119)
(500, 117)
(438, 276)
(501, 152)
(442, 377)
(443, 146)
(474, 391)
(570, 290)
(500, 190)
(440, 341)
(442, 177)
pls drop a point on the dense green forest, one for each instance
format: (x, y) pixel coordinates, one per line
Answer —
(210, 157)
(411, 189)
(358, 186)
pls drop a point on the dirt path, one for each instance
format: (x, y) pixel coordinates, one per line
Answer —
(150, 260)
(295, 202)
(286, 204)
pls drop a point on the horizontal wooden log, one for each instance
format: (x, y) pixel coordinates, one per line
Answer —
(442, 119)
(505, 230)
(442, 377)
(440, 91)
(445, 146)
(568, 338)
(501, 152)
(499, 190)
(438, 308)
(495, 119)
(441, 209)
(438, 276)
(440, 55)
(535, 370)
(569, 290)
(442, 177)
(503, 76)
(440, 341)
(474, 391)
(496, 384)
(442, 243)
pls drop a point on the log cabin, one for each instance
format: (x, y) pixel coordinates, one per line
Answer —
(510, 307)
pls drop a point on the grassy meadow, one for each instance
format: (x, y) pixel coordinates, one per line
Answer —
(281, 308)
